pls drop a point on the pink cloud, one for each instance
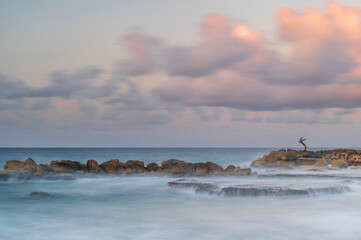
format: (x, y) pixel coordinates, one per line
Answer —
(323, 70)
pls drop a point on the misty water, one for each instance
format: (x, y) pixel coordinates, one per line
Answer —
(146, 208)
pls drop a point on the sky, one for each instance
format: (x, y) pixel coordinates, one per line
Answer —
(167, 73)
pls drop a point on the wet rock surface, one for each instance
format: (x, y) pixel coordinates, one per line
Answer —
(257, 190)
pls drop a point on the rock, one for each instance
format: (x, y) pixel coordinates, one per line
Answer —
(306, 161)
(110, 166)
(66, 166)
(339, 164)
(92, 166)
(177, 170)
(43, 170)
(14, 165)
(229, 169)
(178, 167)
(153, 167)
(277, 191)
(39, 195)
(198, 187)
(60, 176)
(135, 165)
(242, 171)
(321, 163)
(281, 163)
(124, 170)
(355, 163)
(200, 169)
(261, 163)
(214, 168)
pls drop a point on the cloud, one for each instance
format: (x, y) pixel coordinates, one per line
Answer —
(323, 69)
(62, 84)
(220, 46)
(142, 50)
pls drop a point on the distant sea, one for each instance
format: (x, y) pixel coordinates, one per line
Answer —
(221, 156)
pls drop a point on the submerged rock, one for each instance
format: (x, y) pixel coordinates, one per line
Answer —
(257, 191)
(198, 187)
(39, 195)
(43, 170)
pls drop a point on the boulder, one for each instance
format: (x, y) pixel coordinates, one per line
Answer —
(124, 170)
(177, 171)
(242, 171)
(135, 166)
(214, 168)
(178, 167)
(152, 167)
(282, 163)
(339, 164)
(14, 165)
(229, 169)
(110, 166)
(260, 163)
(66, 166)
(92, 166)
(306, 161)
(321, 163)
(355, 163)
(43, 170)
(200, 169)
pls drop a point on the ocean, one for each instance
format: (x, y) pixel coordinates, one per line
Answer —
(145, 208)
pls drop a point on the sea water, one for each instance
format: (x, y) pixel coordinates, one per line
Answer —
(146, 208)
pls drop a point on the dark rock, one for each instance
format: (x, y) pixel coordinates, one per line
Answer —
(214, 168)
(110, 166)
(152, 167)
(43, 170)
(178, 167)
(198, 187)
(92, 166)
(135, 166)
(229, 169)
(66, 166)
(242, 171)
(39, 195)
(200, 169)
(257, 191)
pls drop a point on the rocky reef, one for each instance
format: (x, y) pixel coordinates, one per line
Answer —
(337, 158)
(68, 170)
(256, 190)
